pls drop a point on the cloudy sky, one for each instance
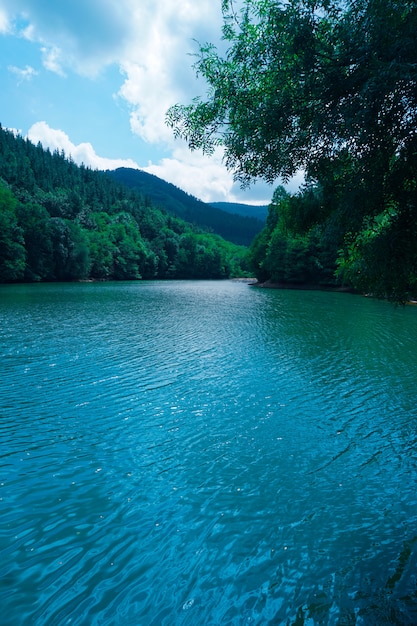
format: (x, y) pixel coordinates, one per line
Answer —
(95, 78)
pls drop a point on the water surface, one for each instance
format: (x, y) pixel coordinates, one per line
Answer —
(206, 453)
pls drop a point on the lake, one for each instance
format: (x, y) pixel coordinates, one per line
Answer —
(206, 453)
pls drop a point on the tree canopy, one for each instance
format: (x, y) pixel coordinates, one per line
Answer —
(328, 87)
(62, 222)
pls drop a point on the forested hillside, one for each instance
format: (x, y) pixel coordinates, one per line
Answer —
(234, 227)
(59, 221)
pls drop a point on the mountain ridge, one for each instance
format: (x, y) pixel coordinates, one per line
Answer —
(237, 228)
(247, 210)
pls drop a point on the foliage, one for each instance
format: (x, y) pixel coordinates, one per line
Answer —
(239, 229)
(330, 88)
(12, 251)
(69, 250)
(62, 222)
(380, 253)
(293, 248)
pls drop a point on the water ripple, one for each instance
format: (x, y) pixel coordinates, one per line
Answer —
(183, 453)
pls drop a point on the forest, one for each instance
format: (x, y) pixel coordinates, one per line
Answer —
(326, 88)
(236, 227)
(64, 222)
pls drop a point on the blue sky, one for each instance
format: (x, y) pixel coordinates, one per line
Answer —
(95, 78)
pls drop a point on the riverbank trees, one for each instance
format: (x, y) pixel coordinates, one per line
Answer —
(329, 88)
(59, 221)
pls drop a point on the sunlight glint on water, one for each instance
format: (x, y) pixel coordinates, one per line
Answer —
(206, 453)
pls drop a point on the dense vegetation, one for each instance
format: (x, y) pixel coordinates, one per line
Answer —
(293, 250)
(236, 228)
(328, 87)
(59, 221)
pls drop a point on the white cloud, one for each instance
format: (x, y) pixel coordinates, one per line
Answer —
(158, 65)
(204, 178)
(88, 35)
(52, 60)
(81, 153)
(23, 74)
(4, 22)
(149, 40)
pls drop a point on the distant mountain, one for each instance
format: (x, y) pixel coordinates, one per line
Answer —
(234, 227)
(247, 210)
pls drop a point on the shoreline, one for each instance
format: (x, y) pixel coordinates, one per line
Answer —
(268, 284)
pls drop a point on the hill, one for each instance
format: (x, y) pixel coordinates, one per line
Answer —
(61, 222)
(237, 228)
(247, 210)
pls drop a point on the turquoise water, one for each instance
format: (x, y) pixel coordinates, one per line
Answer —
(206, 453)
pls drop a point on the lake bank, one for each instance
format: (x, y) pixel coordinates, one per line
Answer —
(269, 284)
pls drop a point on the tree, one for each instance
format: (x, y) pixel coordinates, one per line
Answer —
(35, 223)
(70, 250)
(12, 251)
(318, 85)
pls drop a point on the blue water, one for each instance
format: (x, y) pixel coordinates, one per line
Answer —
(206, 453)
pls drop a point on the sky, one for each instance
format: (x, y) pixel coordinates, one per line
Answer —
(95, 78)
